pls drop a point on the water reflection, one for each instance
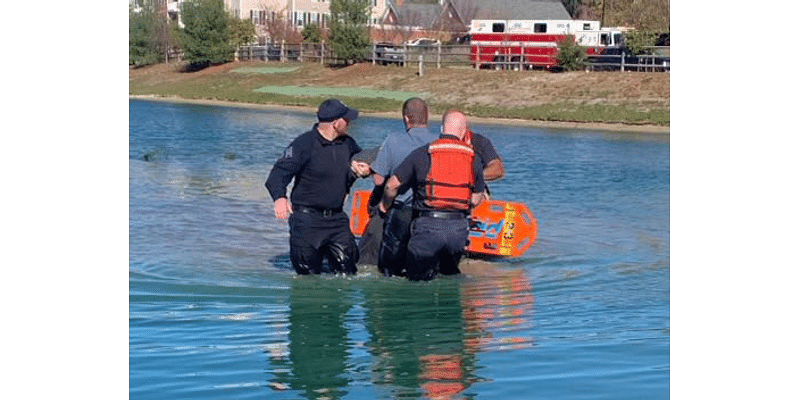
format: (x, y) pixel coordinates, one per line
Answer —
(498, 307)
(415, 339)
(315, 361)
(418, 337)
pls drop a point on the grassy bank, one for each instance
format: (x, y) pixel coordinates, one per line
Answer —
(608, 98)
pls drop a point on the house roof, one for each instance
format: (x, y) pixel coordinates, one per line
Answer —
(410, 13)
(423, 15)
(521, 9)
(416, 14)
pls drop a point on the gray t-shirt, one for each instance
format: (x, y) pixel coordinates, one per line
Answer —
(395, 148)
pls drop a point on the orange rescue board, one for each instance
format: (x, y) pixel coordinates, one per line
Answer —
(496, 228)
(359, 212)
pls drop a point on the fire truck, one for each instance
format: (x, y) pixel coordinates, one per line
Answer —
(515, 44)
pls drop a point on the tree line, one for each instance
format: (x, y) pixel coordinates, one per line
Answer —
(210, 34)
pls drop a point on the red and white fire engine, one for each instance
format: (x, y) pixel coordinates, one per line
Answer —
(514, 44)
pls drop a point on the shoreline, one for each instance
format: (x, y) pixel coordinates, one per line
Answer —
(601, 126)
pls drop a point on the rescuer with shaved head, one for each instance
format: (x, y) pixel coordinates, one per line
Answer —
(447, 182)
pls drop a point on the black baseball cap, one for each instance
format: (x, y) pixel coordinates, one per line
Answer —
(333, 109)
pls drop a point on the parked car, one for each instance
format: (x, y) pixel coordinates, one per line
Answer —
(387, 53)
(423, 42)
(466, 39)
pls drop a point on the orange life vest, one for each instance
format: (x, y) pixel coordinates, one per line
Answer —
(450, 180)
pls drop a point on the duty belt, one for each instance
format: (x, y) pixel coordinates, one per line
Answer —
(324, 212)
(440, 214)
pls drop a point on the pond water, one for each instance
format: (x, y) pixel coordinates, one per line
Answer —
(216, 310)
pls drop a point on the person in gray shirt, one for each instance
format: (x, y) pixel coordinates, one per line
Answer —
(395, 148)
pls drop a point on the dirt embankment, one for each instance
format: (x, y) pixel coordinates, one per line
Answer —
(460, 87)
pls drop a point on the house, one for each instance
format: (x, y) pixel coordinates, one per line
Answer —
(267, 14)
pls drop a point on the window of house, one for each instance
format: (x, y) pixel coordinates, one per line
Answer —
(605, 39)
(498, 27)
(587, 26)
(540, 28)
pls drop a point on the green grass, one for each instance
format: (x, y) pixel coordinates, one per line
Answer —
(314, 91)
(264, 70)
(259, 85)
(571, 112)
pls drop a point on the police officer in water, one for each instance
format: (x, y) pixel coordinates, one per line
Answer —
(319, 161)
(447, 181)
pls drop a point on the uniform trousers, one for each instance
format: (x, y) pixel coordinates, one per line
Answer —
(314, 236)
(436, 246)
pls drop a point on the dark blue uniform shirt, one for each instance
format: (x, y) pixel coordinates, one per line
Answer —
(413, 172)
(484, 149)
(320, 168)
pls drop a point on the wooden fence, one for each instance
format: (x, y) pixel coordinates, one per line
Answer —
(438, 56)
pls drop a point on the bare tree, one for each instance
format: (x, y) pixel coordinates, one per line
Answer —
(275, 25)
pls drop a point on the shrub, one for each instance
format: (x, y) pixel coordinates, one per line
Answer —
(349, 33)
(205, 37)
(571, 56)
(636, 42)
(312, 33)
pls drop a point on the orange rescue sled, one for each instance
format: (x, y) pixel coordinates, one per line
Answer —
(496, 228)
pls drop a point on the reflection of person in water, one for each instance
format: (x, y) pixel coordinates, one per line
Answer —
(418, 339)
(423, 339)
(318, 346)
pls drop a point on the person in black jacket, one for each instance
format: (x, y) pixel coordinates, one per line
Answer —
(319, 161)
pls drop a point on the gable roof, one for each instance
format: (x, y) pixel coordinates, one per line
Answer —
(521, 9)
(425, 15)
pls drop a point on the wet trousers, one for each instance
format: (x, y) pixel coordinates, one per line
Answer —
(396, 234)
(436, 246)
(313, 237)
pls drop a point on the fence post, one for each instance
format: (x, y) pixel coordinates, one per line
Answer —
(283, 50)
(420, 64)
(322, 52)
(439, 55)
(478, 57)
(374, 53)
(622, 63)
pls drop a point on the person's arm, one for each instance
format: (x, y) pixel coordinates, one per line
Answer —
(389, 193)
(494, 170)
(480, 183)
(282, 172)
(477, 199)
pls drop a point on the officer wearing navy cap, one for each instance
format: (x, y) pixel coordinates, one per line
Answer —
(319, 161)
